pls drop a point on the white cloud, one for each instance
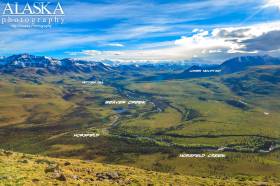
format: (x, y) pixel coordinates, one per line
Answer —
(115, 44)
(203, 41)
(215, 51)
(226, 41)
(272, 3)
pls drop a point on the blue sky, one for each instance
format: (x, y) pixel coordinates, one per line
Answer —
(152, 30)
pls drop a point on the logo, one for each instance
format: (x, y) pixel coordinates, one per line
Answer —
(35, 15)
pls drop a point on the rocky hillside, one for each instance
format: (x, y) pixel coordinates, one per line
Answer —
(25, 169)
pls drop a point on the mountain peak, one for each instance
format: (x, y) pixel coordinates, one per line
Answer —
(241, 63)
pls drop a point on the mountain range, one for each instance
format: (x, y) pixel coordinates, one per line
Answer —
(232, 65)
(52, 65)
(22, 61)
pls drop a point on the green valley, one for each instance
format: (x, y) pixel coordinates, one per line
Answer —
(235, 114)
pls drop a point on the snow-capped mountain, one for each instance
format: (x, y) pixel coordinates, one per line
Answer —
(54, 65)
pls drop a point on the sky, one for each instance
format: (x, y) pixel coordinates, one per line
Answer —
(151, 30)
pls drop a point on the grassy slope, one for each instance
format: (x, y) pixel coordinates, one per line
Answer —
(23, 101)
(24, 169)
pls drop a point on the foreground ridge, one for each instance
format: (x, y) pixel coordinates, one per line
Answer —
(25, 169)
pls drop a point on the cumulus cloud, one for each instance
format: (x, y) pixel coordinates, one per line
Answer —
(256, 38)
(231, 32)
(266, 42)
(202, 43)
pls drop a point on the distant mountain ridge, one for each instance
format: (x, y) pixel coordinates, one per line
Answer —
(239, 63)
(243, 62)
(233, 65)
(53, 65)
